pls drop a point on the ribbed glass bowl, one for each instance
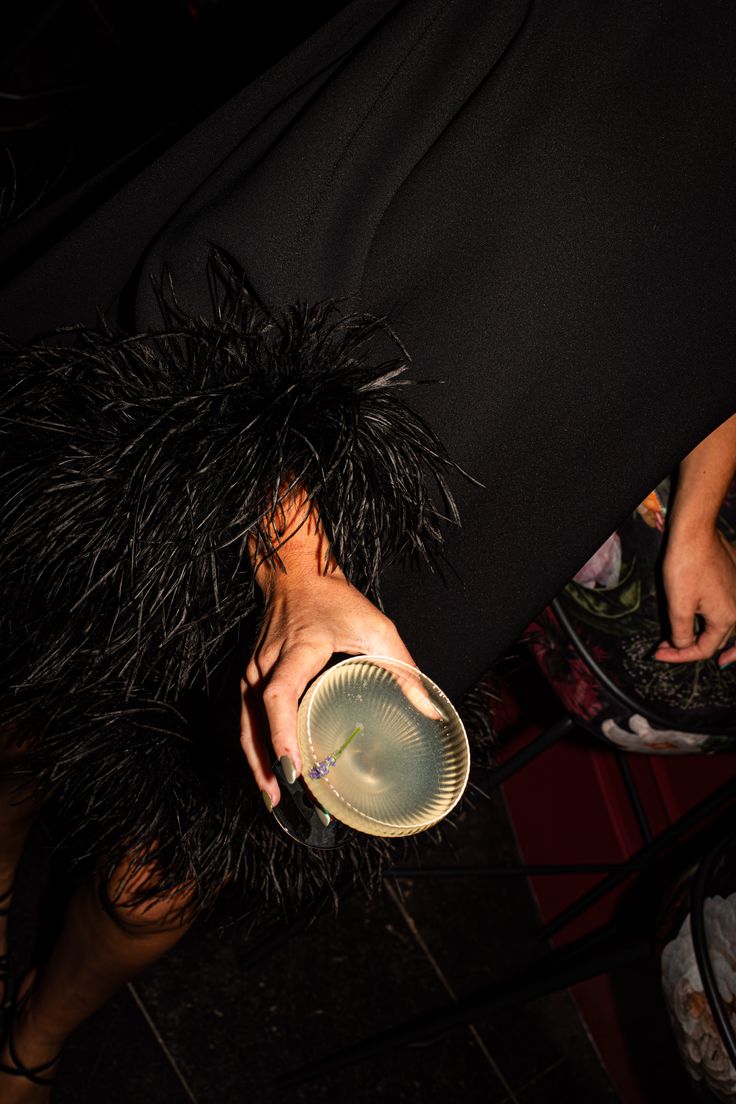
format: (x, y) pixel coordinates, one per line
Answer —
(406, 766)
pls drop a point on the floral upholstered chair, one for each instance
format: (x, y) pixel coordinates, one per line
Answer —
(697, 953)
(595, 643)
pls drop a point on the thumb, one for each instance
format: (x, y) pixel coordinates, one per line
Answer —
(682, 624)
(704, 647)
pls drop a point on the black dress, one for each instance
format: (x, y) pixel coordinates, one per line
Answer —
(538, 197)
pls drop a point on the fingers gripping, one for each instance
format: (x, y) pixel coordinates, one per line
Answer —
(252, 740)
(682, 623)
(269, 704)
(288, 681)
(712, 638)
(309, 624)
(684, 645)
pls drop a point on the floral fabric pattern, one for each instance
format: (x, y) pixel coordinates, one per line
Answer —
(692, 1020)
(614, 604)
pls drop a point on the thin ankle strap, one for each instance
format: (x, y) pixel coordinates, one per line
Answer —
(19, 1068)
(31, 1073)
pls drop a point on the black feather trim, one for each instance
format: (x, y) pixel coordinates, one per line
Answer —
(135, 471)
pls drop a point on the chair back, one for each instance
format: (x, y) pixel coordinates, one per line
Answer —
(595, 642)
(698, 971)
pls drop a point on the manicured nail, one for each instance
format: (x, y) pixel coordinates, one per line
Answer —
(288, 768)
(323, 815)
(267, 801)
(729, 664)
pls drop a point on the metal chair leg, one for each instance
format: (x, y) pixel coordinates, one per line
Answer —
(528, 754)
(526, 870)
(633, 795)
(645, 857)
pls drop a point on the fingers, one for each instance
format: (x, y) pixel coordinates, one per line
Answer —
(708, 643)
(274, 689)
(699, 578)
(415, 691)
(684, 646)
(727, 657)
(682, 638)
(307, 626)
(395, 647)
(256, 750)
(295, 669)
(682, 625)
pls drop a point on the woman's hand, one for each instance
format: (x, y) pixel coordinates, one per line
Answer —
(699, 576)
(699, 569)
(310, 615)
(308, 619)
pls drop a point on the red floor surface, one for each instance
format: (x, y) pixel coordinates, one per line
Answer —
(570, 806)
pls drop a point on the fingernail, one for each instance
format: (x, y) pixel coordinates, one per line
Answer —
(288, 768)
(267, 801)
(323, 815)
(729, 664)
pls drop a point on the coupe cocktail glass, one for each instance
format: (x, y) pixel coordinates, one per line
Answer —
(383, 750)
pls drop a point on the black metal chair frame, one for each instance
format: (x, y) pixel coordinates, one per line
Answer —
(700, 945)
(601, 951)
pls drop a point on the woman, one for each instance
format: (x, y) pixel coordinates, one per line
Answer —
(538, 198)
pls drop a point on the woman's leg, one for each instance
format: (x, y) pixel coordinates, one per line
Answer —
(17, 813)
(97, 952)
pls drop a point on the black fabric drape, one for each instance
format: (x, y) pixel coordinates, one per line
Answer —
(537, 194)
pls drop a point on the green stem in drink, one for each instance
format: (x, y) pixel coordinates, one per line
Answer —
(358, 728)
(321, 770)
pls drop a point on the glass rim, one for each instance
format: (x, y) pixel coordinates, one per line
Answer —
(370, 657)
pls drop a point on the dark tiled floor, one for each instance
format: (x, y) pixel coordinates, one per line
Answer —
(204, 1025)
(118, 1057)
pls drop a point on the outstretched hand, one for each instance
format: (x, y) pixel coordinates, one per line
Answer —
(309, 617)
(700, 579)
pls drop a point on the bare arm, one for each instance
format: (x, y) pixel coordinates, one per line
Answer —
(699, 568)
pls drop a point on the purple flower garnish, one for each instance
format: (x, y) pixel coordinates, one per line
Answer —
(322, 769)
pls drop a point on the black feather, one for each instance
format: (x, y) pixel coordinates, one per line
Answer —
(135, 471)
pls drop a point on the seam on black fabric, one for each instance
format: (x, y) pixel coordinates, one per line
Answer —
(491, 72)
(327, 71)
(323, 75)
(310, 216)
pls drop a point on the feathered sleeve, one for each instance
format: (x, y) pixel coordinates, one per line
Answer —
(138, 468)
(138, 474)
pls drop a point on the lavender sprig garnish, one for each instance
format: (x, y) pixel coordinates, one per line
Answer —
(322, 769)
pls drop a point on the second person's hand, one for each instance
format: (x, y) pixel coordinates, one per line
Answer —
(700, 579)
